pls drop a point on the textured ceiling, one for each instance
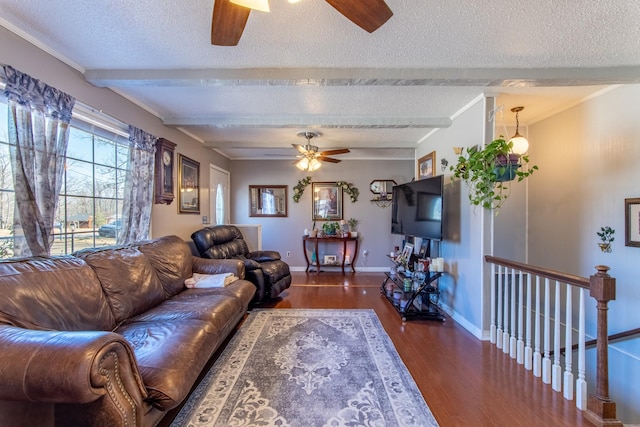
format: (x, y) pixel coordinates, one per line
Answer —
(304, 66)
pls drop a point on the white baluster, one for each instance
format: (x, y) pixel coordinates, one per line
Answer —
(537, 356)
(581, 383)
(505, 320)
(520, 343)
(568, 343)
(499, 311)
(528, 351)
(512, 340)
(556, 373)
(492, 328)
(546, 361)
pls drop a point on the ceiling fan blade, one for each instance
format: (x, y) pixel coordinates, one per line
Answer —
(300, 148)
(227, 23)
(328, 159)
(332, 152)
(367, 14)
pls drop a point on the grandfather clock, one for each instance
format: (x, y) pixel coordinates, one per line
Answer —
(164, 171)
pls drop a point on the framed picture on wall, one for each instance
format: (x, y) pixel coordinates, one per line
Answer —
(188, 185)
(326, 201)
(632, 222)
(425, 167)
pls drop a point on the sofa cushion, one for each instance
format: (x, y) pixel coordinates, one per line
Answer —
(55, 293)
(216, 306)
(174, 340)
(170, 356)
(127, 277)
(171, 257)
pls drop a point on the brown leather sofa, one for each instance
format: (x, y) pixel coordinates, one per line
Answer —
(265, 269)
(110, 336)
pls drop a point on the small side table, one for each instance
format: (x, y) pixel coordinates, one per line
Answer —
(329, 239)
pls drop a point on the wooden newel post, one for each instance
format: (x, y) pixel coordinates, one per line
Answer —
(601, 410)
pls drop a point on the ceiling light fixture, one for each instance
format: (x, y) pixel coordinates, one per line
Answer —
(520, 143)
(261, 5)
(308, 163)
(303, 164)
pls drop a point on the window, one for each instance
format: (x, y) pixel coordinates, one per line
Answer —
(91, 199)
(6, 188)
(219, 204)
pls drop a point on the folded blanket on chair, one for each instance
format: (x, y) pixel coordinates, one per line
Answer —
(210, 280)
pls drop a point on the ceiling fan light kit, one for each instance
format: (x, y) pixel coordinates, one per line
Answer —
(310, 158)
(261, 5)
(230, 16)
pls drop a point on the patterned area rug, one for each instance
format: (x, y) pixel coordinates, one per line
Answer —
(297, 367)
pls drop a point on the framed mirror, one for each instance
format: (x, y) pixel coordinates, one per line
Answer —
(268, 200)
(382, 186)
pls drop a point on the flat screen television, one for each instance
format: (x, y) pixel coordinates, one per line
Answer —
(417, 208)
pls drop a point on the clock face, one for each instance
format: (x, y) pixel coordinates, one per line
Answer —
(166, 158)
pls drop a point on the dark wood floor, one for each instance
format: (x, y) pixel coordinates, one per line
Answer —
(465, 381)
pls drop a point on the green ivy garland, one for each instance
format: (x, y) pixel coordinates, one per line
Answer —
(299, 188)
(348, 188)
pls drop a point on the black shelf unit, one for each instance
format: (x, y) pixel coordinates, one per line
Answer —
(420, 303)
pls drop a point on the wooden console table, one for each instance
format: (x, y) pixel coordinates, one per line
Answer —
(329, 239)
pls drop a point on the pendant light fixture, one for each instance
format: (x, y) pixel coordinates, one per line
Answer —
(520, 143)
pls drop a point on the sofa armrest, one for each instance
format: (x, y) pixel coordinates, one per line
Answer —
(217, 266)
(68, 367)
(264, 256)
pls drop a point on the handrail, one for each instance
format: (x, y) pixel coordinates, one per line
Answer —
(570, 279)
(613, 337)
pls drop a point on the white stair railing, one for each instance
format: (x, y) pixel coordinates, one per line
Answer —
(520, 325)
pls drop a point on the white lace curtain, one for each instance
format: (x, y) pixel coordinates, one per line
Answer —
(39, 117)
(138, 194)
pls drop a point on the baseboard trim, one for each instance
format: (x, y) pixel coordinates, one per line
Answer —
(359, 269)
(462, 321)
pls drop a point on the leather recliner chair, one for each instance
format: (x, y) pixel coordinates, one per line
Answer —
(265, 269)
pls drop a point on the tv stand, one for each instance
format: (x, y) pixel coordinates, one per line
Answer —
(420, 303)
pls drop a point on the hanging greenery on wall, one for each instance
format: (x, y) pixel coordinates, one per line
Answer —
(348, 188)
(299, 188)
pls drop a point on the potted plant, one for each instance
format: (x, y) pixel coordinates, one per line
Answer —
(330, 228)
(486, 170)
(606, 237)
(353, 227)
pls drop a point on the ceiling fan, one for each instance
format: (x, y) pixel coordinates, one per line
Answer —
(230, 18)
(310, 157)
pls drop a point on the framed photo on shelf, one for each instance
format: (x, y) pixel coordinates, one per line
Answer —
(426, 166)
(632, 222)
(330, 259)
(326, 201)
(406, 252)
(188, 185)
